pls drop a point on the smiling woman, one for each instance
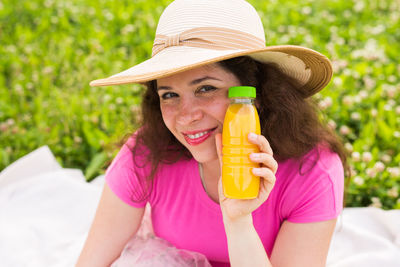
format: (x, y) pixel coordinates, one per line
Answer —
(173, 161)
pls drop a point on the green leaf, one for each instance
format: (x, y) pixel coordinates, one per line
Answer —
(384, 131)
(95, 165)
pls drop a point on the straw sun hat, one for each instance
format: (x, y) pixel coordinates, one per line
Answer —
(192, 33)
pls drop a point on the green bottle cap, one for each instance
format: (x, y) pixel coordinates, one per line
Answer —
(242, 91)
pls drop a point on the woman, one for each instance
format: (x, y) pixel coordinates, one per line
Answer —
(203, 47)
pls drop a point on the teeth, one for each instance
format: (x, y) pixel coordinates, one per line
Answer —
(194, 136)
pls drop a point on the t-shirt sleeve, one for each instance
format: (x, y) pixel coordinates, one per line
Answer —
(127, 179)
(318, 194)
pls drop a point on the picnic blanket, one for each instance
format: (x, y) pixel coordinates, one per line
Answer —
(46, 212)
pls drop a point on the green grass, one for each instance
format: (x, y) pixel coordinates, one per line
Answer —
(51, 50)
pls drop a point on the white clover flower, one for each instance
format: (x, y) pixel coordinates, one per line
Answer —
(352, 172)
(391, 103)
(344, 130)
(127, 29)
(106, 97)
(108, 15)
(363, 94)
(306, 10)
(347, 72)
(348, 147)
(392, 78)
(48, 70)
(355, 116)
(398, 110)
(332, 124)
(18, 88)
(10, 122)
(378, 29)
(371, 173)
(371, 51)
(325, 103)
(359, 6)
(394, 172)
(366, 156)
(391, 92)
(85, 101)
(328, 101)
(94, 119)
(11, 49)
(3, 127)
(396, 134)
(376, 202)
(336, 68)
(386, 158)
(119, 100)
(379, 166)
(356, 156)
(348, 100)
(374, 113)
(393, 192)
(281, 28)
(357, 99)
(77, 139)
(358, 180)
(369, 83)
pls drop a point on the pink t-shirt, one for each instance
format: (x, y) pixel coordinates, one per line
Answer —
(184, 215)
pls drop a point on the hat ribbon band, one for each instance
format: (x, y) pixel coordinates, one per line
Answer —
(210, 38)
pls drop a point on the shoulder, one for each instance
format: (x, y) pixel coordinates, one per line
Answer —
(129, 154)
(319, 161)
(311, 188)
(134, 158)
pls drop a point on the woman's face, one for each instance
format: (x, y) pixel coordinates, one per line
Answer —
(193, 105)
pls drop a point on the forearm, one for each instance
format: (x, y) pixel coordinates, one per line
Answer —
(244, 245)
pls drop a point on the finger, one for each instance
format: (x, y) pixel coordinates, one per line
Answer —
(261, 141)
(220, 191)
(266, 174)
(265, 159)
(218, 144)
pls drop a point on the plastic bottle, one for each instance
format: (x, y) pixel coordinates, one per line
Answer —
(241, 118)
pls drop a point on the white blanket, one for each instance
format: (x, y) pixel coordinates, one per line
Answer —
(46, 211)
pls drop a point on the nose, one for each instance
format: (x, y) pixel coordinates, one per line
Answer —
(189, 111)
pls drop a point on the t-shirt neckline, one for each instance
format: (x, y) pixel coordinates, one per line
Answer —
(200, 192)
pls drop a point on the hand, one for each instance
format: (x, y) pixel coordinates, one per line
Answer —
(234, 209)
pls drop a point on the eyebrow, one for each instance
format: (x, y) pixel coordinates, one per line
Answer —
(194, 82)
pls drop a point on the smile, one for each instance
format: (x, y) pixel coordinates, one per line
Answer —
(196, 138)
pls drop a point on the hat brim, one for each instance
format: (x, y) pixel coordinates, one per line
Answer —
(311, 69)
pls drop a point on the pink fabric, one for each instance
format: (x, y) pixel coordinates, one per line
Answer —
(184, 215)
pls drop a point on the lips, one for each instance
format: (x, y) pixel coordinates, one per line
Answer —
(197, 137)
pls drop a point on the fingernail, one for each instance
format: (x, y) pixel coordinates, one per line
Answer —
(257, 171)
(252, 136)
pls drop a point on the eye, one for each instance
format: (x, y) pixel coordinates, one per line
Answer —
(206, 88)
(168, 95)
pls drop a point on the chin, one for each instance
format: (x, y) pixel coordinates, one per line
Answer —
(204, 157)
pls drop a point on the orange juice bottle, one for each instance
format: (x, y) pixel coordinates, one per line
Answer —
(241, 118)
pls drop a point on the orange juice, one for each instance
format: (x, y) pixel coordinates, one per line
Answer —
(241, 118)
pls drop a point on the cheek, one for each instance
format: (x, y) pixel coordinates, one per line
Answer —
(168, 114)
(218, 109)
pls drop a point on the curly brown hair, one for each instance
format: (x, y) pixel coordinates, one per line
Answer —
(289, 121)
